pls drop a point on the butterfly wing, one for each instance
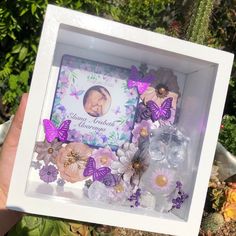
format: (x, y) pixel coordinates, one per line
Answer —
(100, 173)
(90, 167)
(155, 110)
(50, 129)
(63, 130)
(165, 109)
(142, 86)
(131, 84)
(134, 75)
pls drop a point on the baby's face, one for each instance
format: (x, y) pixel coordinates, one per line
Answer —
(94, 103)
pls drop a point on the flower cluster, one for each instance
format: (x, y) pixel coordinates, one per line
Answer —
(135, 197)
(136, 172)
(181, 196)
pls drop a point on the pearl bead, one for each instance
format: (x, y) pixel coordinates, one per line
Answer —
(161, 90)
(103, 160)
(161, 180)
(50, 150)
(143, 132)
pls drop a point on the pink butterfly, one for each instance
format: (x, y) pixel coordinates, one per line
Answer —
(98, 174)
(75, 93)
(52, 132)
(160, 113)
(141, 83)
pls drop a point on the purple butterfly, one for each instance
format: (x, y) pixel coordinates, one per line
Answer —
(160, 113)
(75, 93)
(141, 83)
(52, 132)
(98, 174)
(111, 180)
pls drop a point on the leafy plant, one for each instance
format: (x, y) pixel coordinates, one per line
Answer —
(227, 134)
(200, 19)
(20, 28)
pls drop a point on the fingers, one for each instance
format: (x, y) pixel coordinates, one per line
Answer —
(13, 135)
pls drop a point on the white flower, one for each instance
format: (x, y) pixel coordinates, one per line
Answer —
(124, 165)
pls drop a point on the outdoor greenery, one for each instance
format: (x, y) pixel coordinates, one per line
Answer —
(208, 22)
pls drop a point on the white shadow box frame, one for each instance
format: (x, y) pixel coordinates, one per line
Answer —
(203, 75)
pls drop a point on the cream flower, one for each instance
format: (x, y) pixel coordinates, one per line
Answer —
(71, 161)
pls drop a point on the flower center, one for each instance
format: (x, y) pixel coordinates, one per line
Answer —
(49, 173)
(50, 150)
(104, 160)
(144, 132)
(72, 158)
(161, 180)
(161, 90)
(137, 166)
(119, 188)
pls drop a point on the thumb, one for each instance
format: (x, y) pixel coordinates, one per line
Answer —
(13, 135)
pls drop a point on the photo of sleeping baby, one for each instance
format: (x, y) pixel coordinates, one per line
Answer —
(97, 101)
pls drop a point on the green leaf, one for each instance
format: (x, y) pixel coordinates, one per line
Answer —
(23, 53)
(24, 77)
(33, 8)
(23, 11)
(13, 82)
(16, 48)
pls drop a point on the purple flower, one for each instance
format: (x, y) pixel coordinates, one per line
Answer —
(178, 184)
(136, 198)
(74, 135)
(180, 198)
(128, 126)
(141, 129)
(48, 173)
(47, 152)
(143, 112)
(61, 182)
(104, 156)
(88, 138)
(36, 165)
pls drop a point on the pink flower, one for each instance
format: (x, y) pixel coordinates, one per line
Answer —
(104, 156)
(71, 161)
(141, 129)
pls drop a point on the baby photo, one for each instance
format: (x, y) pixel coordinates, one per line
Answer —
(95, 97)
(97, 101)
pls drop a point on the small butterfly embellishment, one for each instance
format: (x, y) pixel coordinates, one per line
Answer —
(91, 170)
(162, 112)
(141, 83)
(52, 132)
(75, 93)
